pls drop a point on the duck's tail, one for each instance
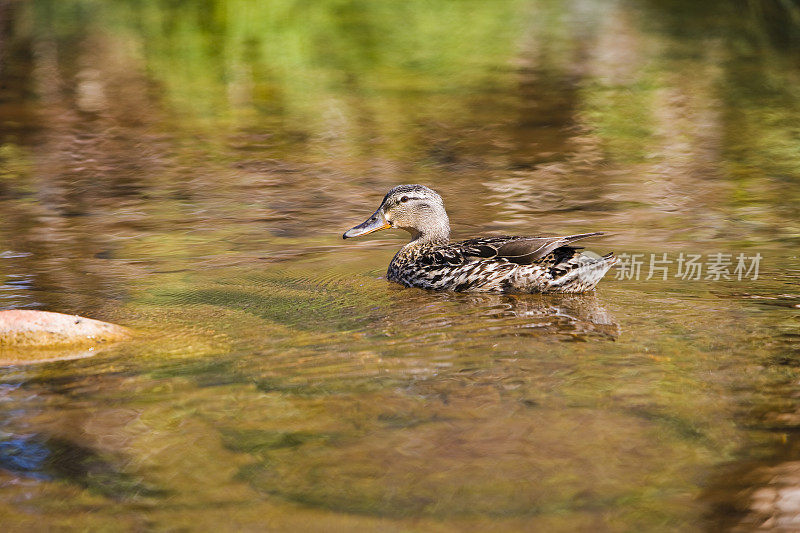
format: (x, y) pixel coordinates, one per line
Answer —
(581, 273)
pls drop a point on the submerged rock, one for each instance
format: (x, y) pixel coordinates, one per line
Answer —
(20, 327)
(33, 336)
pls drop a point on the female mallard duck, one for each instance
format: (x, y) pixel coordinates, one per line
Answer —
(486, 264)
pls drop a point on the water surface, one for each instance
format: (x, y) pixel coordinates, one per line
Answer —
(187, 169)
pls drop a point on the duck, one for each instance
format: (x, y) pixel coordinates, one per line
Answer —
(495, 264)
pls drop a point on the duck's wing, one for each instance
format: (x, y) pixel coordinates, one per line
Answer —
(519, 250)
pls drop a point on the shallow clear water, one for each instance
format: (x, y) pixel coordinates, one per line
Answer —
(188, 169)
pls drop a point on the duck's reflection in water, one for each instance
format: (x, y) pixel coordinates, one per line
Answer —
(560, 316)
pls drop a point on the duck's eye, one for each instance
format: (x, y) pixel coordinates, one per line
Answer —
(404, 199)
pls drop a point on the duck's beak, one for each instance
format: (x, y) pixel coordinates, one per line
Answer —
(376, 222)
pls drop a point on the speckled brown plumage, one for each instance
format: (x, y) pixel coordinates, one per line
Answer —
(479, 265)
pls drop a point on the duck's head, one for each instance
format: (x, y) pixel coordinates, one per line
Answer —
(414, 208)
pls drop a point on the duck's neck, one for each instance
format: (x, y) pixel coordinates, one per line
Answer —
(432, 235)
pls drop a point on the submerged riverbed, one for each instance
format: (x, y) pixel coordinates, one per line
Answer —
(187, 170)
